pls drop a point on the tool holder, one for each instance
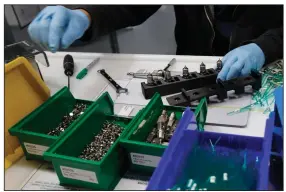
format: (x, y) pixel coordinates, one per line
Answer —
(219, 89)
(176, 83)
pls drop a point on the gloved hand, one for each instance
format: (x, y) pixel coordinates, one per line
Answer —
(240, 61)
(57, 27)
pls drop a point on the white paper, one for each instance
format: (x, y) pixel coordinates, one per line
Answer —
(79, 174)
(35, 149)
(145, 160)
(126, 110)
(45, 178)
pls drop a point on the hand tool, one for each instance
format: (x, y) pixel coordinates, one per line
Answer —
(118, 88)
(157, 74)
(170, 64)
(83, 72)
(68, 67)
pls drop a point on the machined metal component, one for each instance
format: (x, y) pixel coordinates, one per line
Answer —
(186, 73)
(156, 140)
(219, 65)
(203, 68)
(171, 120)
(167, 75)
(161, 134)
(151, 136)
(150, 80)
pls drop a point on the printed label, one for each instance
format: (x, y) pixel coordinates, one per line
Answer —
(125, 110)
(145, 160)
(35, 149)
(79, 174)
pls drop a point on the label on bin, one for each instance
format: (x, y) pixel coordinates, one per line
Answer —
(35, 149)
(79, 174)
(145, 160)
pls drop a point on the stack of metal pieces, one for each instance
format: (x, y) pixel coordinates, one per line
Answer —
(68, 119)
(102, 142)
(164, 130)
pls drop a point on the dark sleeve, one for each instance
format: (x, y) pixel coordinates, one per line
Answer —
(271, 43)
(109, 18)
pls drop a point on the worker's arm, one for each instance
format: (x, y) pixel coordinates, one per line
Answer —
(253, 55)
(109, 18)
(58, 27)
(271, 43)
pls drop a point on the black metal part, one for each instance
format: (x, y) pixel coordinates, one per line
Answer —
(118, 88)
(176, 83)
(219, 89)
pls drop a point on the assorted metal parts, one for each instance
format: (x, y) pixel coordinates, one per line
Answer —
(102, 142)
(68, 67)
(162, 133)
(118, 88)
(219, 89)
(173, 84)
(67, 120)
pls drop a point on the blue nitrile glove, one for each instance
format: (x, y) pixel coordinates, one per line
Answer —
(240, 61)
(57, 27)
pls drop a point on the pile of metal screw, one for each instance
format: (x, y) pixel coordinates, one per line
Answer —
(164, 130)
(102, 142)
(78, 110)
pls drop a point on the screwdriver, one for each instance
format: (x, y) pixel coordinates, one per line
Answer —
(68, 67)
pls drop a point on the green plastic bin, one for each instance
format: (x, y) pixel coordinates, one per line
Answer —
(143, 156)
(31, 130)
(98, 175)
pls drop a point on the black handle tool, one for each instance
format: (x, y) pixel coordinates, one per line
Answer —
(68, 67)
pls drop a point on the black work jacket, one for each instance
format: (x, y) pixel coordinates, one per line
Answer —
(194, 31)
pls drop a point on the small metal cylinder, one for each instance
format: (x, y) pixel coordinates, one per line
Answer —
(186, 72)
(202, 68)
(171, 120)
(161, 134)
(150, 80)
(219, 65)
(168, 76)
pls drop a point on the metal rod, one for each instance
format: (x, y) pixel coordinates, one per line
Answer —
(69, 82)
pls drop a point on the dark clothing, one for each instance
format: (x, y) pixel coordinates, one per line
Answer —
(200, 29)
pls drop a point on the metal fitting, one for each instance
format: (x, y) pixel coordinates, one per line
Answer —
(186, 73)
(171, 120)
(167, 75)
(202, 68)
(150, 80)
(219, 65)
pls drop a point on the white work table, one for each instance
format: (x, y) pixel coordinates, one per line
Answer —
(91, 86)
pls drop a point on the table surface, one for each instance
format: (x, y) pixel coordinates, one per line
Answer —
(117, 65)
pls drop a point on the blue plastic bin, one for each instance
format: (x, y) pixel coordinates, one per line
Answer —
(173, 161)
(278, 122)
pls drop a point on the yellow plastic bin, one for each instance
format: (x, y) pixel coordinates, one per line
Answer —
(24, 92)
